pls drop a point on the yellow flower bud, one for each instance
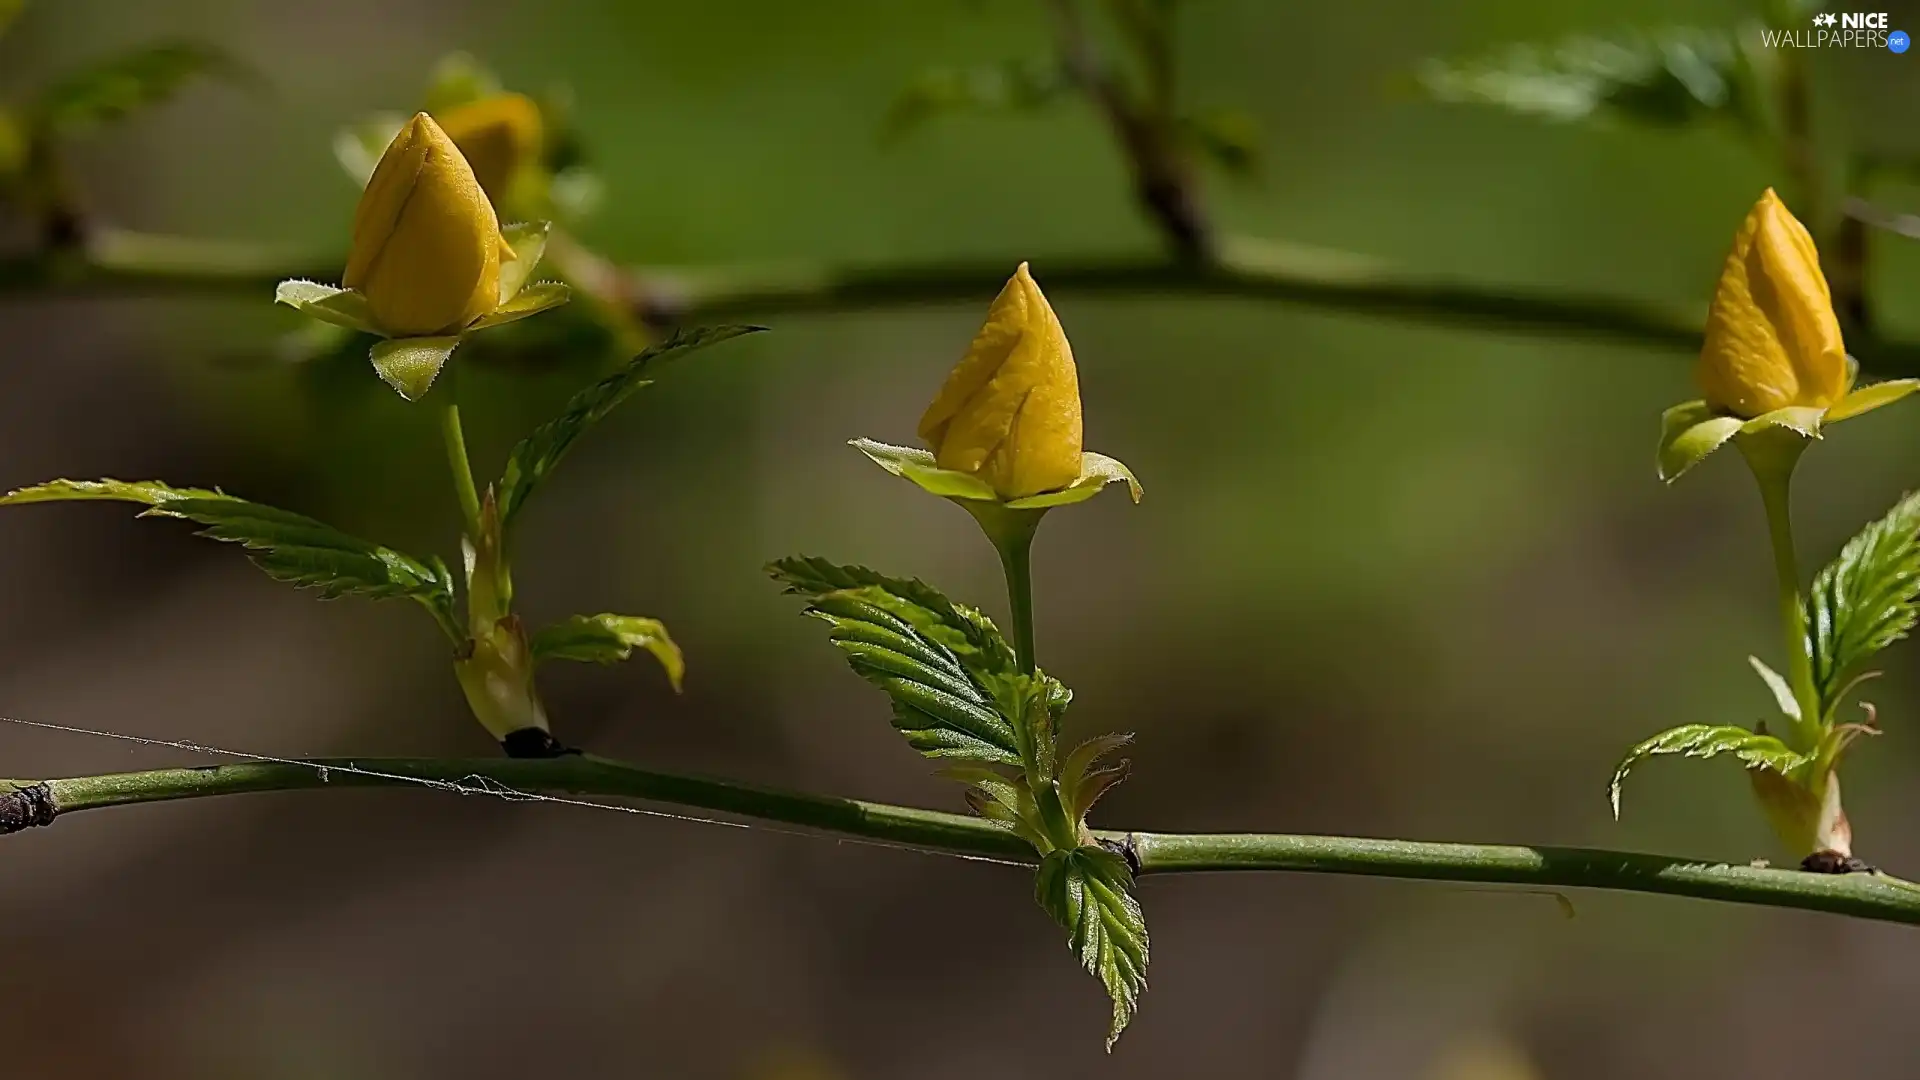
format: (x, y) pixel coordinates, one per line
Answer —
(1010, 410)
(499, 135)
(1772, 338)
(426, 244)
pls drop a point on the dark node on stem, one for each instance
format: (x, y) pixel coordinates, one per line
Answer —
(533, 742)
(26, 807)
(1832, 862)
(1124, 848)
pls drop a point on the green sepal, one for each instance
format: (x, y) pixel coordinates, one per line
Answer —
(1096, 472)
(919, 466)
(1864, 399)
(609, 639)
(328, 303)
(1802, 420)
(410, 365)
(1694, 429)
(1754, 749)
(1688, 433)
(1089, 892)
(535, 456)
(290, 547)
(529, 243)
(531, 300)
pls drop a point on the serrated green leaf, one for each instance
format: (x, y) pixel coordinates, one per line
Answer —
(609, 639)
(1864, 600)
(1671, 78)
(123, 84)
(1755, 751)
(938, 706)
(290, 547)
(531, 300)
(962, 630)
(941, 663)
(537, 454)
(1089, 892)
(1014, 86)
(410, 365)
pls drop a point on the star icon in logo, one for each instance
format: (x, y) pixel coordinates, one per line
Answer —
(1824, 19)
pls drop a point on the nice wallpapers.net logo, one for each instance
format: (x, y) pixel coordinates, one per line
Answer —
(1842, 30)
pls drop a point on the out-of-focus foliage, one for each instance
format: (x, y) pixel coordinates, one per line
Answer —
(122, 85)
(1672, 77)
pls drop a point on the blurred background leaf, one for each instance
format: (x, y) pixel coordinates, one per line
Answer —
(1670, 77)
(113, 89)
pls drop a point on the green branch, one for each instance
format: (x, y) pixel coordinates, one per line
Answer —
(1870, 896)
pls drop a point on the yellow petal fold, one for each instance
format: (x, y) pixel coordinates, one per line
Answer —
(426, 243)
(1009, 412)
(1772, 338)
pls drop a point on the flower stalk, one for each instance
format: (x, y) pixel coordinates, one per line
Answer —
(463, 486)
(1011, 533)
(1773, 456)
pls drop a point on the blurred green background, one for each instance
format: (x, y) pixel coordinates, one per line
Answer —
(1388, 579)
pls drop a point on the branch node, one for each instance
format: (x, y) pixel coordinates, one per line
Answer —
(26, 807)
(1126, 848)
(534, 743)
(1832, 862)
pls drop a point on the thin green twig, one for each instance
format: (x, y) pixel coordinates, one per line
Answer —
(1868, 896)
